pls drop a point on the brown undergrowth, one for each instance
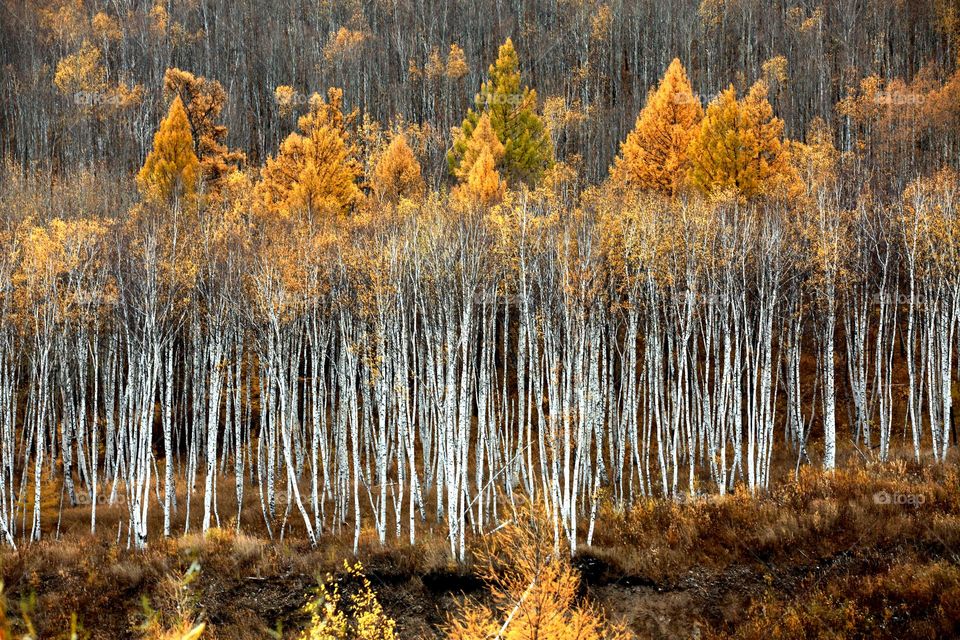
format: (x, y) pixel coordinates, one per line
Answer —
(866, 552)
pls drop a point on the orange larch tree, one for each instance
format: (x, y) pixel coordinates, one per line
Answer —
(654, 155)
(739, 147)
(397, 172)
(204, 100)
(315, 170)
(171, 170)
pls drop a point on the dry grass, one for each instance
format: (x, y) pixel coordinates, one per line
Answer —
(819, 557)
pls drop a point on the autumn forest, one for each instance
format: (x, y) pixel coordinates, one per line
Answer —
(507, 285)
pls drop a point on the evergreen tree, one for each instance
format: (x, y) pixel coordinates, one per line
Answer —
(654, 155)
(528, 150)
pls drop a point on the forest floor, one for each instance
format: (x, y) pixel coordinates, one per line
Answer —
(872, 551)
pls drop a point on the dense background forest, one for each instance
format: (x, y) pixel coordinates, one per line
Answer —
(379, 274)
(591, 63)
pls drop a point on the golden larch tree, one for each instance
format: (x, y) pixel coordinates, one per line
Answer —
(484, 137)
(480, 180)
(739, 147)
(816, 160)
(483, 184)
(397, 172)
(315, 170)
(534, 589)
(654, 155)
(204, 100)
(171, 169)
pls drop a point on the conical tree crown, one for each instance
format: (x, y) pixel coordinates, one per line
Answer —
(397, 173)
(504, 73)
(512, 110)
(654, 155)
(482, 185)
(315, 170)
(739, 148)
(483, 138)
(172, 168)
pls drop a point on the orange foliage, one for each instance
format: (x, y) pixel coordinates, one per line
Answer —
(171, 169)
(534, 590)
(315, 170)
(654, 155)
(397, 172)
(739, 148)
(204, 100)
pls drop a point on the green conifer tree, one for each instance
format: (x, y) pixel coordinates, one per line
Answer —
(528, 150)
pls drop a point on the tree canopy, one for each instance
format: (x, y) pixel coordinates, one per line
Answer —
(512, 112)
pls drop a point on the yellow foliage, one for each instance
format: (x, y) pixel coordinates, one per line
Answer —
(483, 138)
(456, 62)
(80, 71)
(82, 77)
(171, 169)
(315, 171)
(66, 23)
(888, 120)
(533, 587)
(816, 161)
(775, 70)
(483, 184)
(105, 27)
(435, 67)
(480, 181)
(204, 100)
(654, 155)
(397, 172)
(600, 23)
(738, 148)
(344, 44)
(359, 616)
(327, 112)
(160, 19)
(285, 97)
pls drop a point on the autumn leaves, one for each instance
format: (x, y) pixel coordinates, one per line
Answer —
(316, 170)
(172, 169)
(735, 147)
(329, 165)
(189, 144)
